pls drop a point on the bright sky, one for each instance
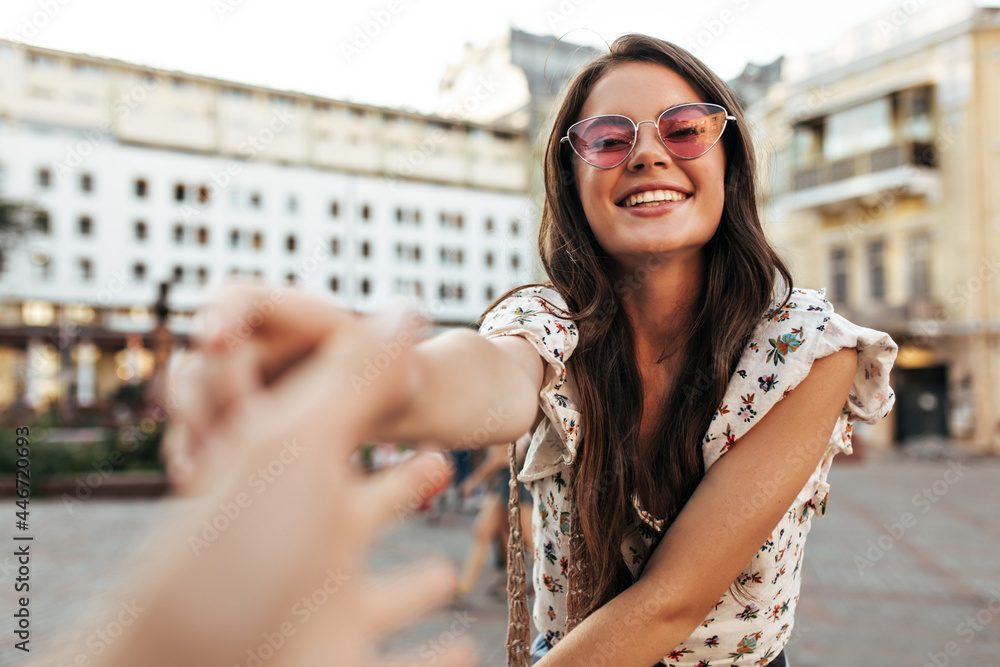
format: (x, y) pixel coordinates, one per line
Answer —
(300, 44)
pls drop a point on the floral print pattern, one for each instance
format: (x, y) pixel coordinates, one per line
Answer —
(785, 343)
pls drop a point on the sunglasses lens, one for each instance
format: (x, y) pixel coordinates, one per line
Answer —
(603, 141)
(692, 129)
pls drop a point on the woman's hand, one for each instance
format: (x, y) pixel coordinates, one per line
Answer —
(271, 561)
(255, 335)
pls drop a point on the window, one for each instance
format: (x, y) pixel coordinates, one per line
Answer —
(838, 275)
(290, 279)
(489, 292)
(139, 271)
(178, 234)
(366, 249)
(203, 194)
(41, 265)
(293, 204)
(255, 199)
(202, 275)
(44, 178)
(141, 189)
(42, 222)
(179, 192)
(258, 241)
(920, 265)
(334, 209)
(234, 238)
(489, 259)
(178, 274)
(334, 247)
(858, 129)
(202, 236)
(86, 270)
(514, 228)
(399, 215)
(86, 225)
(515, 261)
(86, 182)
(366, 212)
(290, 243)
(489, 225)
(366, 286)
(452, 220)
(141, 230)
(876, 270)
(334, 284)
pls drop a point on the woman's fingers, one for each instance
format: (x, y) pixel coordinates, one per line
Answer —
(395, 600)
(355, 378)
(279, 326)
(395, 494)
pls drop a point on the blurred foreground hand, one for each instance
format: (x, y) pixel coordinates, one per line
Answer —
(269, 566)
(257, 334)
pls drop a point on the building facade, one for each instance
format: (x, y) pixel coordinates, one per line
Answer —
(141, 176)
(880, 163)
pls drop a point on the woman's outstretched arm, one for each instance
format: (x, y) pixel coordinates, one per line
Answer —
(454, 390)
(704, 551)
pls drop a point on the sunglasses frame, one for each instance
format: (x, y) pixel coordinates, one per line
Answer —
(656, 124)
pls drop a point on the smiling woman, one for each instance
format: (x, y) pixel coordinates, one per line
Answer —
(660, 319)
(684, 400)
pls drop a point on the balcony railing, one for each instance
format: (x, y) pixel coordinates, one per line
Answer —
(871, 162)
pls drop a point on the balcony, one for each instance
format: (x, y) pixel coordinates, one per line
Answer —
(909, 168)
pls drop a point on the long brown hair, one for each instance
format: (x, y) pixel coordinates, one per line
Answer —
(738, 285)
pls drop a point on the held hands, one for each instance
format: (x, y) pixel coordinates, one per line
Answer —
(282, 573)
(257, 335)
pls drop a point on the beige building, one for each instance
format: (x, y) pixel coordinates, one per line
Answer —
(881, 170)
(144, 176)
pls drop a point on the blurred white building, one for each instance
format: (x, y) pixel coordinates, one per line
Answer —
(143, 175)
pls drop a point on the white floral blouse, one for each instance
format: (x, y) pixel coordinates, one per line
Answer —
(779, 356)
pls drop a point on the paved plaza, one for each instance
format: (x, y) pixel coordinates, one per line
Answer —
(904, 570)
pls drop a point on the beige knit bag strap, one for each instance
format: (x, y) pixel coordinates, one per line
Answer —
(518, 624)
(576, 597)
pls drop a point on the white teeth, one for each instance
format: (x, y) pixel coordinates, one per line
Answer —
(654, 196)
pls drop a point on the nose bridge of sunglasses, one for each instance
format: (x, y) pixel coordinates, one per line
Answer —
(655, 135)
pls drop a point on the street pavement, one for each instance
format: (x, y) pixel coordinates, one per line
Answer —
(904, 570)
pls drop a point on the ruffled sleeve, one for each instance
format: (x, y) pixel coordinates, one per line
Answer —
(779, 356)
(537, 314)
